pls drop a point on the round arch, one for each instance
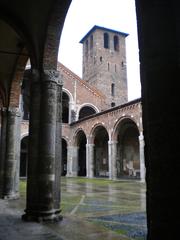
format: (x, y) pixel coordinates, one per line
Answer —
(86, 109)
(126, 135)
(56, 22)
(80, 141)
(100, 139)
(65, 107)
(119, 123)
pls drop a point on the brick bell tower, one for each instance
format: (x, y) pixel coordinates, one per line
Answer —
(104, 63)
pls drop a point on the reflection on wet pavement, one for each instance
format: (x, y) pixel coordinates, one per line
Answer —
(92, 209)
(117, 206)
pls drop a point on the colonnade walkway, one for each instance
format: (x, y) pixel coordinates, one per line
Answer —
(92, 209)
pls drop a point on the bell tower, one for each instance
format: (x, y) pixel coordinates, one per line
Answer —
(104, 63)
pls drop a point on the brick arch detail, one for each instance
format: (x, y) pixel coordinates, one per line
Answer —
(120, 124)
(68, 93)
(54, 29)
(15, 90)
(86, 105)
(75, 135)
(93, 130)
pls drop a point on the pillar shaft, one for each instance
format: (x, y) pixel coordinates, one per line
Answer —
(11, 164)
(90, 160)
(58, 149)
(72, 161)
(33, 146)
(3, 149)
(44, 203)
(112, 154)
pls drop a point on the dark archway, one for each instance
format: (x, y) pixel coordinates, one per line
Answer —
(101, 152)
(128, 157)
(64, 158)
(65, 108)
(81, 143)
(25, 93)
(23, 157)
(86, 111)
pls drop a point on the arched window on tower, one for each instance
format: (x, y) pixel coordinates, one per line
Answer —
(106, 40)
(116, 43)
(112, 89)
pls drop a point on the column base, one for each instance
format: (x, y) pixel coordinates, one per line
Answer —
(11, 196)
(72, 174)
(42, 216)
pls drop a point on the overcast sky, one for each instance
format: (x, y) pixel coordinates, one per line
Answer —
(115, 14)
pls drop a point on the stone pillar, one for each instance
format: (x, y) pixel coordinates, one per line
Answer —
(58, 155)
(33, 148)
(112, 155)
(41, 190)
(141, 155)
(3, 149)
(90, 160)
(72, 161)
(11, 164)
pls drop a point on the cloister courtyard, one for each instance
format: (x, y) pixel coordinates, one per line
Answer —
(98, 209)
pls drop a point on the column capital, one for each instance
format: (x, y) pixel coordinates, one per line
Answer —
(51, 75)
(14, 111)
(35, 76)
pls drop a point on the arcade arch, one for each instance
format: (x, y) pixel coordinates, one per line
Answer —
(86, 110)
(128, 155)
(80, 141)
(65, 107)
(101, 164)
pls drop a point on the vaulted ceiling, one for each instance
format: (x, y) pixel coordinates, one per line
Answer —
(23, 34)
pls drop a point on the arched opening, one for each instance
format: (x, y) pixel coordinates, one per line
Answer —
(116, 43)
(64, 158)
(101, 164)
(128, 157)
(86, 111)
(106, 40)
(23, 157)
(65, 108)
(25, 95)
(81, 143)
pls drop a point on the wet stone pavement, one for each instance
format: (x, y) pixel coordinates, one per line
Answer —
(92, 209)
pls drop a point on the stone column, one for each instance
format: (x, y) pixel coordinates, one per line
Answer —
(47, 148)
(112, 155)
(3, 149)
(31, 211)
(90, 160)
(72, 161)
(44, 201)
(11, 164)
(141, 155)
(58, 155)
